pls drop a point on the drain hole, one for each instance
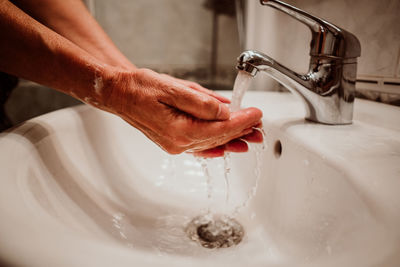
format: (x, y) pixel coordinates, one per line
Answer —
(213, 231)
(278, 149)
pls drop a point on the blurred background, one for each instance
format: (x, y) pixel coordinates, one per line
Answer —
(199, 40)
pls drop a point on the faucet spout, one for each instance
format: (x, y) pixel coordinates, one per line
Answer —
(253, 61)
(327, 90)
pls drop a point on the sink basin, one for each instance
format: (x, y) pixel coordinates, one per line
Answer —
(80, 187)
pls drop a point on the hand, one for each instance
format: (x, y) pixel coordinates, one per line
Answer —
(237, 145)
(179, 115)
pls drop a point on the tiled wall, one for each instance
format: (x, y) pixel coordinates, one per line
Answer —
(375, 23)
(170, 36)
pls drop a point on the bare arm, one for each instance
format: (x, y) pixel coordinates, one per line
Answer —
(32, 51)
(71, 19)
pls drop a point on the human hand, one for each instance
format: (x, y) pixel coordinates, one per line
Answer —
(237, 145)
(179, 115)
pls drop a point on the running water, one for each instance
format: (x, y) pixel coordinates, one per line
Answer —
(204, 166)
(257, 174)
(242, 83)
(227, 171)
(217, 231)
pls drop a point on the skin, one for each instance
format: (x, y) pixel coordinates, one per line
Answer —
(61, 46)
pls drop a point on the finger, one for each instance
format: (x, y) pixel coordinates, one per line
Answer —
(218, 143)
(200, 88)
(195, 103)
(218, 151)
(259, 126)
(237, 146)
(228, 129)
(254, 137)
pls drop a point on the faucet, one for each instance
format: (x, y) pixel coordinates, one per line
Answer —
(328, 88)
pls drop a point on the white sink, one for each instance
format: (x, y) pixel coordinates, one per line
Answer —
(79, 187)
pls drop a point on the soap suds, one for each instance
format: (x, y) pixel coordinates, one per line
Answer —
(87, 99)
(98, 84)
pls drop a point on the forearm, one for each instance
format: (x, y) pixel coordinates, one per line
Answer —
(71, 19)
(32, 51)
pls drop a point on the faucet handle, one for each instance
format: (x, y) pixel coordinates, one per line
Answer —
(328, 40)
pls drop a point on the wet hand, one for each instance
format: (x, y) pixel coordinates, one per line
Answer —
(180, 115)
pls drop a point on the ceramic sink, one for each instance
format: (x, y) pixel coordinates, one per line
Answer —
(80, 187)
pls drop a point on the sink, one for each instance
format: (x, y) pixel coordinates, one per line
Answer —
(80, 187)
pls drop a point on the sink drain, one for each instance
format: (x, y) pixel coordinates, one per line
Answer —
(215, 231)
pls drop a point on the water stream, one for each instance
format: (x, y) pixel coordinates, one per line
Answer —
(227, 171)
(215, 230)
(242, 83)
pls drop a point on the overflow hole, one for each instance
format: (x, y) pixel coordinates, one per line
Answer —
(278, 149)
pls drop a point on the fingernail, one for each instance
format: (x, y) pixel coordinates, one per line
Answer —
(223, 112)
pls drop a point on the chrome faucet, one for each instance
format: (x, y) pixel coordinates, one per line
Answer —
(328, 88)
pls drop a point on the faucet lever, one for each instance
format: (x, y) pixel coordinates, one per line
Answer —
(328, 40)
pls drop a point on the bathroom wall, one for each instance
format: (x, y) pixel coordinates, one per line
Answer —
(169, 36)
(375, 23)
